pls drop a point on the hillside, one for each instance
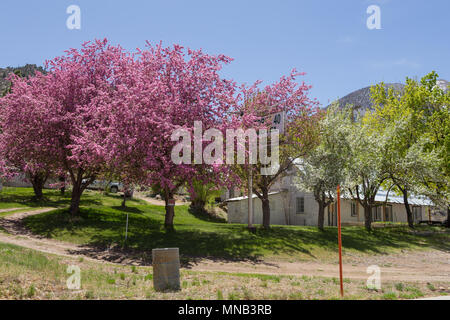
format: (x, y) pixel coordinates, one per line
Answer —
(361, 99)
(24, 71)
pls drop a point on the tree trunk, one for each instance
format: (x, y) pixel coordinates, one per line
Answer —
(37, 188)
(124, 201)
(62, 179)
(265, 208)
(368, 217)
(198, 205)
(170, 211)
(321, 217)
(409, 214)
(38, 181)
(75, 201)
(448, 217)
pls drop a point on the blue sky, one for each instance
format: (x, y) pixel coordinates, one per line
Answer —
(327, 39)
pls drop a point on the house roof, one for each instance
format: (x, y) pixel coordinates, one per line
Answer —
(246, 197)
(392, 198)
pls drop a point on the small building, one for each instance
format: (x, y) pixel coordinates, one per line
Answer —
(291, 206)
(301, 209)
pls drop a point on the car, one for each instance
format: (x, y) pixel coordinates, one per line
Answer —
(114, 187)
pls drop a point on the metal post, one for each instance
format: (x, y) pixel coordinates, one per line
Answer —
(126, 229)
(340, 238)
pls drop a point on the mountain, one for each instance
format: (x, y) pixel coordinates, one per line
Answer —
(25, 71)
(443, 84)
(361, 98)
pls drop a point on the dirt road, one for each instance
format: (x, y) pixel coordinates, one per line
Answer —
(423, 266)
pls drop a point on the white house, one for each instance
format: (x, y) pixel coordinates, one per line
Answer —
(291, 206)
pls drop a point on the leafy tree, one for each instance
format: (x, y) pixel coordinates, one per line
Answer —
(365, 171)
(21, 147)
(300, 135)
(203, 194)
(323, 169)
(416, 125)
(64, 117)
(163, 90)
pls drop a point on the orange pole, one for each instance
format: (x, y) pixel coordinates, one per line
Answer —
(340, 239)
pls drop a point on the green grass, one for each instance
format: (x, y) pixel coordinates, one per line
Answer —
(24, 198)
(102, 223)
(29, 274)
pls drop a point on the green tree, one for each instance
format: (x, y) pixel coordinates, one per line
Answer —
(415, 124)
(365, 171)
(203, 194)
(322, 170)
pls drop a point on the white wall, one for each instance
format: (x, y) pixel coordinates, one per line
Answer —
(238, 211)
(283, 211)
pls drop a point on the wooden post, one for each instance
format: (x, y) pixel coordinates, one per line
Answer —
(340, 239)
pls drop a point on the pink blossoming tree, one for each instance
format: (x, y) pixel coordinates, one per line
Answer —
(62, 119)
(23, 149)
(300, 135)
(165, 89)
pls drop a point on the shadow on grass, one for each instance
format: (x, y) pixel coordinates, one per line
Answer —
(52, 198)
(135, 210)
(103, 231)
(204, 215)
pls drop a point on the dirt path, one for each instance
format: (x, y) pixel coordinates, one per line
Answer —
(9, 210)
(423, 266)
(18, 234)
(426, 266)
(158, 202)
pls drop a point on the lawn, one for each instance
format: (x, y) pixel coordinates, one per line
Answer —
(28, 274)
(102, 224)
(24, 198)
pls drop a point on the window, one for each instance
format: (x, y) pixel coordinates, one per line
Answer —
(417, 213)
(300, 205)
(353, 208)
(376, 214)
(389, 215)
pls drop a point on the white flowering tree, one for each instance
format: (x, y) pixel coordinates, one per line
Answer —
(323, 169)
(365, 172)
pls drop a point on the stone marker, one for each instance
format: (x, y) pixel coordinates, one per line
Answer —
(166, 269)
